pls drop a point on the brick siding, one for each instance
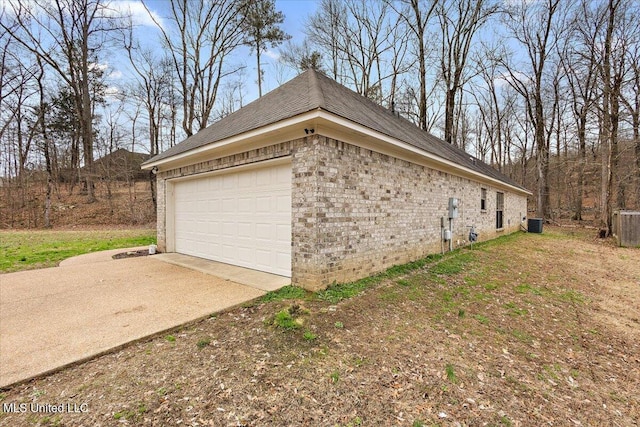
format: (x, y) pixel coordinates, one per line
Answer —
(356, 212)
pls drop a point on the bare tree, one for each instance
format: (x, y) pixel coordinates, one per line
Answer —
(536, 27)
(580, 67)
(45, 145)
(460, 21)
(67, 36)
(203, 36)
(324, 30)
(365, 45)
(417, 15)
(302, 57)
(492, 105)
(620, 31)
(631, 101)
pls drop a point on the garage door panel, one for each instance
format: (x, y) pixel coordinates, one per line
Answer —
(229, 205)
(241, 218)
(229, 181)
(229, 229)
(283, 232)
(245, 230)
(283, 258)
(246, 205)
(263, 204)
(263, 231)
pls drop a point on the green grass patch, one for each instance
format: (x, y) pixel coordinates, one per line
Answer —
(286, 293)
(514, 310)
(202, 343)
(25, 250)
(403, 282)
(292, 317)
(451, 373)
(521, 336)
(283, 319)
(341, 291)
(309, 336)
(525, 288)
(491, 286)
(482, 319)
(573, 297)
(452, 264)
(131, 414)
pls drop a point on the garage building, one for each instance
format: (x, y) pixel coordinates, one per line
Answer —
(313, 181)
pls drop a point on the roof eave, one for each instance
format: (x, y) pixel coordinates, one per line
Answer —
(434, 160)
(261, 132)
(327, 118)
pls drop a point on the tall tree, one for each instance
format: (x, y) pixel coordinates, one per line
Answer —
(301, 57)
(366, 45)
(631, 100)
(261, 27)
(67, 36)
(418, 14)
(153, 89)
(579, 63)
(45, 144)
(324, 30)
(621, 28)
(492, 104)
(201, 36)
(460, 21)
(536, 28)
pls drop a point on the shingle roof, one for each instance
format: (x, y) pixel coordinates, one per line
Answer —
(312, 91)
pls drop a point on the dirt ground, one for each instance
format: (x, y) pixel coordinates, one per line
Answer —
(532, 329)
(117, 203)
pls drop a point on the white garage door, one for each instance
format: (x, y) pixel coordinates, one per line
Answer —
(241, 218)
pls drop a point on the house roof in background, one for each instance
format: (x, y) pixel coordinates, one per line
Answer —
(311, 91)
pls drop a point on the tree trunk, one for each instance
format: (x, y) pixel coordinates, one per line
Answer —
(542, 163)
(86, 115)
(449, 110)
(636, 138)
(259, 70)
(582, 160)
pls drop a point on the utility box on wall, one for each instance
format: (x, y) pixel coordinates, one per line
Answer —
(453, 207)
(626, 228)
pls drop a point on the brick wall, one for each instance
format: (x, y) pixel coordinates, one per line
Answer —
(356, 212)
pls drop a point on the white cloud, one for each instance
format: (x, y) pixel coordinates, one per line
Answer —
(113, 93)
(273, 55)
(139, 14)
(506, 79)
(96, 66)
(115, 74)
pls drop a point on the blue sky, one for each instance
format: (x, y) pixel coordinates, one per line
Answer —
(296, 13)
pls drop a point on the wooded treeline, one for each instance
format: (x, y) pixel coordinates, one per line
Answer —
(546, 91)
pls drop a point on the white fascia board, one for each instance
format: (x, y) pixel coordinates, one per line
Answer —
(446, 165)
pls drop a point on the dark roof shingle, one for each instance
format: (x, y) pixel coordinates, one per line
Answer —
(311, 91)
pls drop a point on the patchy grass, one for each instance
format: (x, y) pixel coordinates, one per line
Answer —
(285, 293)
(25, 250)
(341, 291)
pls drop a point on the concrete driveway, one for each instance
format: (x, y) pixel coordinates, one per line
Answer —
(92, 304)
